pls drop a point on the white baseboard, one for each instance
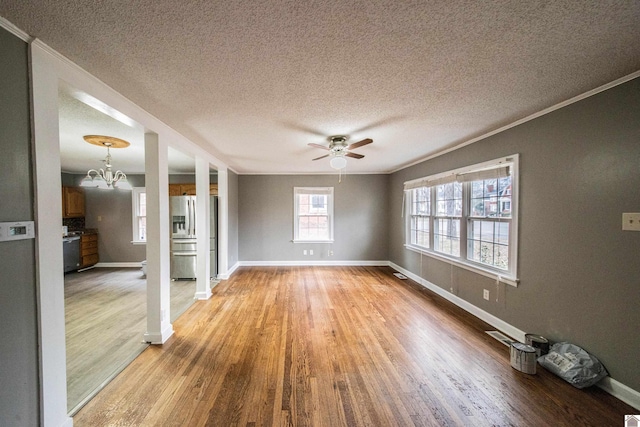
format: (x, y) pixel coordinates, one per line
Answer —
(608, 384)
(229, 272)
(119, 264)
(494, 321)
(203, 296)
(313, 263)
(159, 338)
(617, 389)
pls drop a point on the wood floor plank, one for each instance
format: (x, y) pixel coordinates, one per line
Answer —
(336, 346)
(105, 317)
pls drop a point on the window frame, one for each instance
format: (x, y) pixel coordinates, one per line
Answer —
(509, 275)
(135, 214)
(313, 191)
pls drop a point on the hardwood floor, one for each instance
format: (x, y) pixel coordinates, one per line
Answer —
(105, 315)
(336, 346)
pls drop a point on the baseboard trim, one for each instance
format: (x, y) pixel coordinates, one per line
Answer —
(229, 272)
(159, 338)
(203, 296)
(617, 389)
(313, 263)
(494, 321)
(119, 264)
(613, 387)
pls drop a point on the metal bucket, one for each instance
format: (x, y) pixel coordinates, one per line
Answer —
(523, 358)
(540, 343)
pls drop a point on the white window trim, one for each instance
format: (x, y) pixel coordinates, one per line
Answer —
(509, 277)
(310, 190)
(135, 191)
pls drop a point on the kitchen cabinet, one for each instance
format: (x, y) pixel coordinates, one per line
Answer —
(190, 189)
(88, 250)
(72, 202)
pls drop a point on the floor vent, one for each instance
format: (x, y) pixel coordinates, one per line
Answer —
(400, 276)
(500, 337)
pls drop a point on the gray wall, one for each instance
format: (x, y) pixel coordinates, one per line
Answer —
(265, 228)
(115, 227)
(232, 180)
(579, 272)
(19, 390)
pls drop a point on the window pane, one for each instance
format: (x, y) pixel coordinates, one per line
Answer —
(142, 228)
(491, 198)
(447, 236)
(142, 204)
(449, 199)
(477, 207)
(420, 231)
(489, 242)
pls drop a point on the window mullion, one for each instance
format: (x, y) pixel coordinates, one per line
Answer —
(432, 213)
(466, 203)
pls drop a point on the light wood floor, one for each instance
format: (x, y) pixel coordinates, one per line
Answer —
(105, 314)
(336, 346)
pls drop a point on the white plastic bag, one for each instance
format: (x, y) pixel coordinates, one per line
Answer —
(573, 364)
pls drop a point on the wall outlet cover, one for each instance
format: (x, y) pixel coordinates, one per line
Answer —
(631, 221)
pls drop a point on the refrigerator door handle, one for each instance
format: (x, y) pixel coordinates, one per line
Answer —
(184, 254)
(193, 217)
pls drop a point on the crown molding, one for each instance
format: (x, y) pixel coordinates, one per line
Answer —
(15, 30)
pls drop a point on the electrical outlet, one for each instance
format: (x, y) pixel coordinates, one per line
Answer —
(99, 218)
(304, 252)
(631, 221)
(310, 251)
(330, 253)
(485, 294)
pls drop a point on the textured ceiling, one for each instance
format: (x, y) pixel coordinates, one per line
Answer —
(255, 81)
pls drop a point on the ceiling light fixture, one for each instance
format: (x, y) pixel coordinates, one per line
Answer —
(338, 161)
(105, 178)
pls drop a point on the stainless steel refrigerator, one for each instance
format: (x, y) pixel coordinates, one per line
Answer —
(183, 237)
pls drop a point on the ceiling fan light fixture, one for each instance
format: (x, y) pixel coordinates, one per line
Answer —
(338, 162)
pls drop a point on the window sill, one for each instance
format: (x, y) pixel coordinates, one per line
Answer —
(312, 241)
(509, 280)
(138, 242)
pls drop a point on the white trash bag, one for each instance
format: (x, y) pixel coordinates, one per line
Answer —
(573, 364)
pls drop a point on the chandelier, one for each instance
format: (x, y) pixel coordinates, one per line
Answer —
(106, 178)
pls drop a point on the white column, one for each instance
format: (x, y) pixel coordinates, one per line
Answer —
(203, 287)
(159, 327)
(223, 224)
(50, 277)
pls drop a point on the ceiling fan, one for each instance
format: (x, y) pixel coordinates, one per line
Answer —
(338, 150)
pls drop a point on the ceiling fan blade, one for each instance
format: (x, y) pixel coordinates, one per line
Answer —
(321, 157)
(360, 143)
(354, 155)
(318, 146)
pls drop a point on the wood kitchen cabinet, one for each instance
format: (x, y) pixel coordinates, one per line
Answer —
(88, 250)
(72, 202)
(190, 189)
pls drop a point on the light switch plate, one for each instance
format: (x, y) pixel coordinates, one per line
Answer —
(631, 221)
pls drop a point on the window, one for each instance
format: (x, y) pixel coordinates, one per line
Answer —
(313, 219)
(139, 204)
(446, 229)
(472, 219)
(420, 216)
